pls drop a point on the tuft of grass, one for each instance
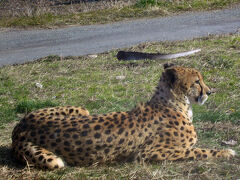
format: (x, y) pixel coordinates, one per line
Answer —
(7, 114)
(146, 3)
(27, 106)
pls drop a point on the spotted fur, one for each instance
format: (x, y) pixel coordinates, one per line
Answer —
(160, 129)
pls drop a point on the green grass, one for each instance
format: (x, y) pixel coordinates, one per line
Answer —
(92, 83)
(141, 9)
(185, 5)
(218, 116)
(27, 106)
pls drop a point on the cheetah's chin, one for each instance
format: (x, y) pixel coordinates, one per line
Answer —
(202, 99)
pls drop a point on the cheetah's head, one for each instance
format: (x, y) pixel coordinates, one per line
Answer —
(187, 81)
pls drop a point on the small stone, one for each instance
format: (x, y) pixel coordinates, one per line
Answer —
(229, 143)
(39, 85)
(93, 55)
(120, 77)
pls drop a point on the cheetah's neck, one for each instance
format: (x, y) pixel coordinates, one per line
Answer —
(164, 95)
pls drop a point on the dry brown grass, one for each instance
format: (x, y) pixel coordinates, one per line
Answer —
(18, 8)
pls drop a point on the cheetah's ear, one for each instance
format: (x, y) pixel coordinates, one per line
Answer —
(168, 65)
(171, 76)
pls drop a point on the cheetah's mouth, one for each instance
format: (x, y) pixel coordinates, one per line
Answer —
(202, 99)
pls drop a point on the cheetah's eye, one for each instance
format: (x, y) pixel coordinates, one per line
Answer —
(197, 82)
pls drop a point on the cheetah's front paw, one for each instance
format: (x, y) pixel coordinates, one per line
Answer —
(228, 153)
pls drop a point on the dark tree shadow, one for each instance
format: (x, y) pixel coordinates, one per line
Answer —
(7, 159)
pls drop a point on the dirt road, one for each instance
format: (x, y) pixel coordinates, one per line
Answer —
(18, 46)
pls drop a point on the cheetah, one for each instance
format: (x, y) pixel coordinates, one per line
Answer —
(160, 129)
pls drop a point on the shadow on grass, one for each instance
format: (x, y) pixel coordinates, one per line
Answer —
(7, 159)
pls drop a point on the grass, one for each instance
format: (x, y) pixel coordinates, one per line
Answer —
(27, 106)
(185, 5)
(43, 15)
(91, 82)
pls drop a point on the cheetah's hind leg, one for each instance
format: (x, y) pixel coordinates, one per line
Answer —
(32, 154)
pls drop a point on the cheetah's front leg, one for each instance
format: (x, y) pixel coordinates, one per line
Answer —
(186, 154)
(198, 153)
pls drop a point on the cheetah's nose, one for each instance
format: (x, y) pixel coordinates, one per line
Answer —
(209, 92)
